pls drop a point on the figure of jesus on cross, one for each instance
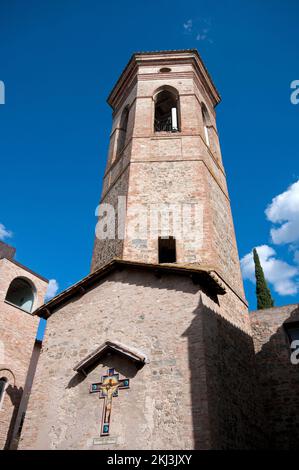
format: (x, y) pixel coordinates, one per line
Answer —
(108, 388)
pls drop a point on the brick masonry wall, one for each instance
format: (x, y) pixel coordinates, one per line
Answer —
(18, 331)
(223, 251)
(161, 183)
(107, 249)
(278, 379)
(169, 404)
(6, 251)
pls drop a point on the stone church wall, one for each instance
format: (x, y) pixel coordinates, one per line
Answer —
(173, 399)
(278, 378)
(233, 395)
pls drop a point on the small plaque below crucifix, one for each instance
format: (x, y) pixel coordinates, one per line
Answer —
(108, 388)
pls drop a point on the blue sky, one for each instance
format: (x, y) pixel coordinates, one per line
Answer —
(60, 59)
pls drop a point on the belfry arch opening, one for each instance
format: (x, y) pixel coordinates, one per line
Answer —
(206, 123)
(122, 131)
(21, 294)
(3, 386)
(166, 110)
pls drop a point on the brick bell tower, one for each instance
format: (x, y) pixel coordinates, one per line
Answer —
(164, 152)
(171, 316)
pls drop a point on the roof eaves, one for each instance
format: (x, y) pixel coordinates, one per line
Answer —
(110, 346)
(204, 276)
(134, 60)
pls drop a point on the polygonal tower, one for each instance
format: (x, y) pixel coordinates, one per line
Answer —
(164, 158)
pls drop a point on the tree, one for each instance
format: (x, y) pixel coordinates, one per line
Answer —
(263, 294)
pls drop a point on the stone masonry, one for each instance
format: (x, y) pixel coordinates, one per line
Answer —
(172, 399)
(278, 377)
(18, 331)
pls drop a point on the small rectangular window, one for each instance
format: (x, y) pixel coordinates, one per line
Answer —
(167, 250)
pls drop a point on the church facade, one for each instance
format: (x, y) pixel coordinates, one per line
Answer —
(155, 348)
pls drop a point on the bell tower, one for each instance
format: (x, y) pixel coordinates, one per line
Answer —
(165, 163)
(166, 323)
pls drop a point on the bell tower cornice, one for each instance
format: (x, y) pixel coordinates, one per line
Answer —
(161, 58)
(164, 160)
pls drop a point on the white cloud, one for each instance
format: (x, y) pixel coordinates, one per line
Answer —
(280, 274)
(284, 210)
(52, 289)
(4, 233)
(201, 37)
(199, 28)
(188, 25)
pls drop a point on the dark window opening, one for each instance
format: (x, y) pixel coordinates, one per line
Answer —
(166, 112)
(167, 250)
(206, 123)
(20, 293)
(3, 383)
(292, 331)
(205, 115)
(122, 131)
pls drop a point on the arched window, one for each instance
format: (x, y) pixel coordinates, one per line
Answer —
(206, 122)
(167, 110)
(3, 385)
(21, 294)
(122, 131)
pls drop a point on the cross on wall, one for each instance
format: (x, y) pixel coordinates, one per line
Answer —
(108, 388)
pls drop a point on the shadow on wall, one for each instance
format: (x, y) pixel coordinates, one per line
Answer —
(225, 409)
(279, 384)
(15, 394)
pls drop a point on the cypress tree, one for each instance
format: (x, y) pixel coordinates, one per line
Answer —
(263, 294)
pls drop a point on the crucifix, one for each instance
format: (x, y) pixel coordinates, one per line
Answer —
(108, 388)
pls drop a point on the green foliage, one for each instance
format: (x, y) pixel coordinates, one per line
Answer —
(263, 294)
